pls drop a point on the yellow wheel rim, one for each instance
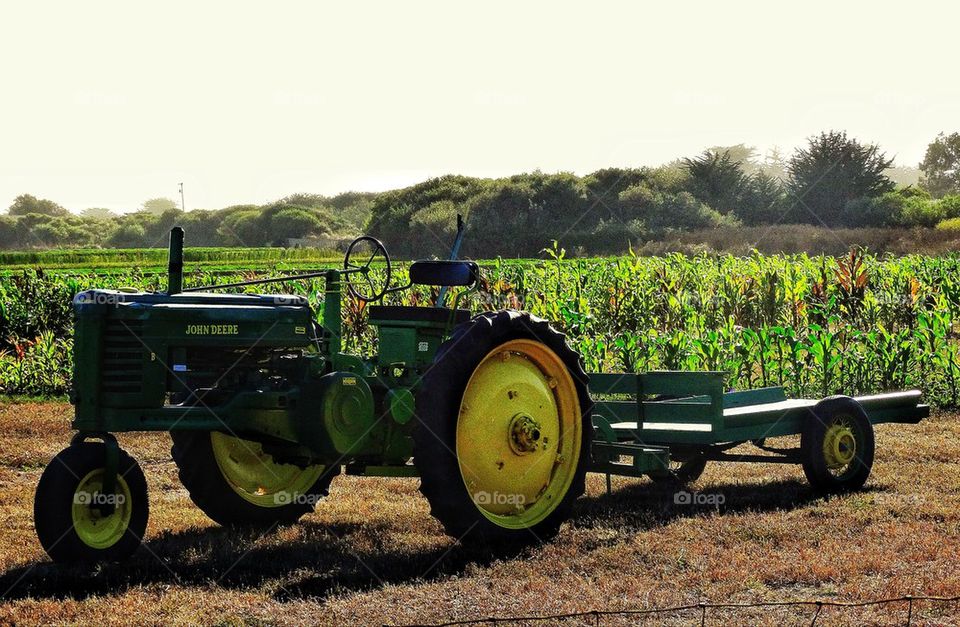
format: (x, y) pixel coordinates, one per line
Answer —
(839, 444)
(257, 478)
(519, 434)
(93, 527)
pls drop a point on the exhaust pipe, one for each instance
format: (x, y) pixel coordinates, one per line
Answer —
(175, 262)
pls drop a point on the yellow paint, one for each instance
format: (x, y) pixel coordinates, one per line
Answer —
(91, 526)
(519, 433)
(212, 329)
(256, 477)
(839, 444)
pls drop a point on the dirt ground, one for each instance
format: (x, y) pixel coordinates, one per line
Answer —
(371, 553)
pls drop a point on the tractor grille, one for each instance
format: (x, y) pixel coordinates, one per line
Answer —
(123, 352)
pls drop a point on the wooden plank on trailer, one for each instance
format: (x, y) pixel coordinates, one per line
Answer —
(790, 423)
(908, 414)
(701, 427)
(674, 383)
(613, 383)
(758, 417)
(905, 400)
(769, 408)
(678, 412)
(754, 397)
(617, 411)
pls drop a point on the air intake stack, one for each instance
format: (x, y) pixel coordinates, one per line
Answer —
(175, 262)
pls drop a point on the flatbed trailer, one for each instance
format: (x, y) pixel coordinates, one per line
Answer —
(658, 421)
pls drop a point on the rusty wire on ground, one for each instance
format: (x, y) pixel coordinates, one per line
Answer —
(597, 615)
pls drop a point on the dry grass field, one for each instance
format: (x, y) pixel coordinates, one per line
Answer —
(371, 554)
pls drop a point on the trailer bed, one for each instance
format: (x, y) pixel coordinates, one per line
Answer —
(664, 408)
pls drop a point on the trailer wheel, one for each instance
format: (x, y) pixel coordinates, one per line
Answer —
(680, 473)
(236, 484)
(68, 511)
(837, 445)
(503, 439)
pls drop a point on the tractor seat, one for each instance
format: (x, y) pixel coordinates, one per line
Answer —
(380, 314)
(445, 273)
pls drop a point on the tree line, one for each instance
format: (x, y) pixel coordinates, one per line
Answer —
(39, 223)
(832, 181)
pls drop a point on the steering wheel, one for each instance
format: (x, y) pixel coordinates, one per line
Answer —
(366, 289)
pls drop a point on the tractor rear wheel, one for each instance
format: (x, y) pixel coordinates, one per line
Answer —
(236, 484)
(503, 439)
(69, 511)
(837, 445)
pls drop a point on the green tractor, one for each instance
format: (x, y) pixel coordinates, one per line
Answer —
(493, 412)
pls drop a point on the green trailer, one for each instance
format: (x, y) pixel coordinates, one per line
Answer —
(492, 411)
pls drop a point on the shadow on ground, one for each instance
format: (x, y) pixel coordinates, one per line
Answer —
(328, 559)
(643, 505)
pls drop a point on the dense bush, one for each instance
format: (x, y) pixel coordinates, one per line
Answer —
(662, 211)
(918, 211)
(951, 206)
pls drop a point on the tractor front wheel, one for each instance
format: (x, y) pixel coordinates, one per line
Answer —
(503, 439)
(236, 483)
(76, 521)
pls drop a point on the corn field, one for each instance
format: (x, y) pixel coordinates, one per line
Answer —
(815, 325)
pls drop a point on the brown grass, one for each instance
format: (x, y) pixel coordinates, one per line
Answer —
(372, 554)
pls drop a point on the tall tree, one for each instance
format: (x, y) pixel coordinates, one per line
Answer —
(774, 164)
(98, 213)
(941, 166)
(762, 200)
(743, 155)
(717, 180)
(25, 203)
(832, 171)
(157, 206)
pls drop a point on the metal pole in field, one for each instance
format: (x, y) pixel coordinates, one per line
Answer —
(454, 252)
(183, 206)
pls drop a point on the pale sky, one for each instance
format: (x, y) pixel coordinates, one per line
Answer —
(107, 104)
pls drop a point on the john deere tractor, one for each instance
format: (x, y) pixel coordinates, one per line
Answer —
(491, 411)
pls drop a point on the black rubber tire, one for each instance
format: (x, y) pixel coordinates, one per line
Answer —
(438, 404)
(199, 473)
(688, 472)
(54, 499)
(812, 440)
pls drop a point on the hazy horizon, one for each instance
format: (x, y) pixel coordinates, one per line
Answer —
(249, 103)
